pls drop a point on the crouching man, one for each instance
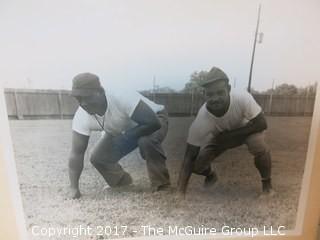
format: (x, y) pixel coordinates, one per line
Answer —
(226, 120)
(129, 120)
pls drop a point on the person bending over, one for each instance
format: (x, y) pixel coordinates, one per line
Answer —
(128, 120)
(227, 119)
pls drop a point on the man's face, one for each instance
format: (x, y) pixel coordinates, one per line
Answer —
(93, 104)
(217, 96)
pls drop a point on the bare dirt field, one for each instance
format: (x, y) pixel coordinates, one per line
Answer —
(42, 147)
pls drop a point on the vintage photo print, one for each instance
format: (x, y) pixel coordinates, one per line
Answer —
(161, 118)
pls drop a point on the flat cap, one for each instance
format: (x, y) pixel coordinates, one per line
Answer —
(85, 84)
(213, 75)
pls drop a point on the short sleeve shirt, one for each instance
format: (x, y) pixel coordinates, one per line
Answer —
(118, 114)
(241, 110)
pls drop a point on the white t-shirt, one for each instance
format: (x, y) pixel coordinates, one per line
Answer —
(121, 106)
(242, 109)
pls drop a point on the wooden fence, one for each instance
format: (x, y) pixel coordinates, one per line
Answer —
(35, 104)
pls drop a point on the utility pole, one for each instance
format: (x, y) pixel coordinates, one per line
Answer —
(254, 49)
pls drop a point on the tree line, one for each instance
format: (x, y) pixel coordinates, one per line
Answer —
(197, 77)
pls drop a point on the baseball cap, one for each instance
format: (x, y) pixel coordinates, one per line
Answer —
(85, 84)
(213, 75)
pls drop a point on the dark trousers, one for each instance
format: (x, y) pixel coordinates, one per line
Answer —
(256, 146)
(106, 155)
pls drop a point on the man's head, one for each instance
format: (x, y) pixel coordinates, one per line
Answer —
(86, 88)
(217, 90)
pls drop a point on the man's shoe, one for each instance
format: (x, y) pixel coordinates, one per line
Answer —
(266, 185)
(210, 180)
(163, 188)
(270, 193)
(126, 180)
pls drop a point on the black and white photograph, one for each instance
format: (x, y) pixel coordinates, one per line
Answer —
(160, 118)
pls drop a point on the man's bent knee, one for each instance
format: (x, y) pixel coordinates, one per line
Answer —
(145, 143)
(95, 160)
(256, 144)
(259, 152)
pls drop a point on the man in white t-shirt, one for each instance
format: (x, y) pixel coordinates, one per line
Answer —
(128, 120)
(226, 120)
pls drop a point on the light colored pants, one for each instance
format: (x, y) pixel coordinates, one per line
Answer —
(256, 145)
(106, 154)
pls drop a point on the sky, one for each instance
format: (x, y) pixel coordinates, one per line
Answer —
(128, 43)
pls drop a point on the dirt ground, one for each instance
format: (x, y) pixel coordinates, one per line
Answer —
(42, 147)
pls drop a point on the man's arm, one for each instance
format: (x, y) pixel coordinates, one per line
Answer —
(255, 125)
(78, 148)
(186, 168)
(146, 119)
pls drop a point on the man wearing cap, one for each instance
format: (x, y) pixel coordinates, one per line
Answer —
(226, 120)
(128, 120)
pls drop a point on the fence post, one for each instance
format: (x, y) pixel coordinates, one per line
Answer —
(16, 100)
(271, 95)
(270, 104)
(306, 102)
(60, 104)
(192, 102)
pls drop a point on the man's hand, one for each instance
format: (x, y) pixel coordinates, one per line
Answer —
(79, 146)
(147, 121)
(186, 167)
(179, 198)
(74, 193)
